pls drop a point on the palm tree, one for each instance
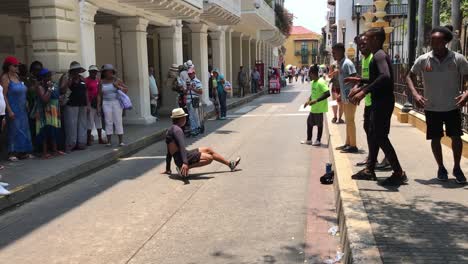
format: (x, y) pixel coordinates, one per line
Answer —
(421, 16)
(435, 13)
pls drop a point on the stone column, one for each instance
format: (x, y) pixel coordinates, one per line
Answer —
(171, 47)
(118, 52)
(218, 44)
(135, 58)
(236, 57)
(246, 56)
(88, 42)
(229, 70)
(253, 52)
(55, 33)
(200, 56)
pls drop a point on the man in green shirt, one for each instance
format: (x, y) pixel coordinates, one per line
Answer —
(318, 105)
(362, 42)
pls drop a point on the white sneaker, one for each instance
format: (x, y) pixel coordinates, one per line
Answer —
(4, 184)
(307, 142)
(4, 191)
(317, 143)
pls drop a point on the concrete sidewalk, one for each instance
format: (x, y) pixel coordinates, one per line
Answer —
(30, 178)
(425, 221)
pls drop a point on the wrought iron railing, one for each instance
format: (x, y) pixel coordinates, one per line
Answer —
(393, 10)
(403, 95)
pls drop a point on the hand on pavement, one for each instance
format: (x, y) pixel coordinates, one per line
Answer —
(184, 170)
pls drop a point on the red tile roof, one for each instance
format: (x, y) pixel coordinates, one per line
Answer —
(300, 30)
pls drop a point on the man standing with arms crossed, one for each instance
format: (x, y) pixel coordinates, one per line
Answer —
(442, 71)
(380, 85)
(346, 69)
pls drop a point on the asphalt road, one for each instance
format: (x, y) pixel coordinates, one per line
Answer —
(130, 213)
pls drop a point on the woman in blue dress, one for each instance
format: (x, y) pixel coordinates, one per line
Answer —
(14, 91)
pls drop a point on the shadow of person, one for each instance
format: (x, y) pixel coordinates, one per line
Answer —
(450, 184)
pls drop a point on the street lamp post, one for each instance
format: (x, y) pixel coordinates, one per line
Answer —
(343, 30)
(357, 9)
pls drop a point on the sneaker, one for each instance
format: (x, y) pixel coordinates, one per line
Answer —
(334, 120)
(460, 177)
(442, 174)
(364, 175)
(307, 142)
(362, 163)
(4, 191)
(395, 180)
(350, 149)
(341, 121)
(122, 144)
(317, 143)
(233, 164)
(384, 165)
(4, 184)
(342, 147)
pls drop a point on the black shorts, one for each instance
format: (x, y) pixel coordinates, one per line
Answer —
(193, 157)
(435, 124)
(315, 119)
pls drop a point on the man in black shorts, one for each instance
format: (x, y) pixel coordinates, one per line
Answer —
(380, 85)
(442, 70)
(186, 160)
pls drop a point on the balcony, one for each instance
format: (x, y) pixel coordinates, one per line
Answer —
(258, 12)
(393, 10)
(331, 16)
(222, 12)
(175, 9)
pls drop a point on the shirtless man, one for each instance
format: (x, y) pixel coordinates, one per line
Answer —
(188, 159)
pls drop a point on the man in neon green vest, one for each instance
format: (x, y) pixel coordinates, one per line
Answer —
(362, 42)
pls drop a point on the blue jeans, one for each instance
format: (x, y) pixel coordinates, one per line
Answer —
(222, 102)
(193, 117)
(254, 86)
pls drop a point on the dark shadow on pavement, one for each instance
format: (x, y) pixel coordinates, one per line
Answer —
(450, 184)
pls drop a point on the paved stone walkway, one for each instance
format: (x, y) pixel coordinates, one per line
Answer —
(425, 221)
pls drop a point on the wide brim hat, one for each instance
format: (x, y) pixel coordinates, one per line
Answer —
(107, 67)
(93, 68)
(178, 113)
(174, 67)
(76, 66)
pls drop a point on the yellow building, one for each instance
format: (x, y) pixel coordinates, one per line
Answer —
(302, 47)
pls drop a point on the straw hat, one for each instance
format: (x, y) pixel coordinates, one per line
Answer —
(178, 113)
(76, 66)
(174, 68)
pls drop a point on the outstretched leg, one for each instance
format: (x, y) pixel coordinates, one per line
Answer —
(215, 156)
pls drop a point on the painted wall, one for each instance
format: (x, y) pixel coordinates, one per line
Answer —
(294, 43)
(15, 36)
(105, 48)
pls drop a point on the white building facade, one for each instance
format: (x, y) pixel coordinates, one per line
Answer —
(135, 34)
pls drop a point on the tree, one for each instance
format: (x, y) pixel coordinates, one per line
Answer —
(283, 20)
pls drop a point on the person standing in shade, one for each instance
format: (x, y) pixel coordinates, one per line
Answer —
(76, 110)
(194, 90)
(94, 118)
(32, 83)
(318, 106)
(380, 85)
(154, 93)
(255, 80)
(363, 47)
(346, 69)
(14, 92)
(442, 71)
(47, 115)
(222, 95)
(108, 98)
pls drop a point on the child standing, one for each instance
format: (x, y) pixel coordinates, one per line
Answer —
(318, 105)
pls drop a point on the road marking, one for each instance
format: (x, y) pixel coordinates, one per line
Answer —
(234, 116)
(245, 109)
(276, 108)
(143, 158)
